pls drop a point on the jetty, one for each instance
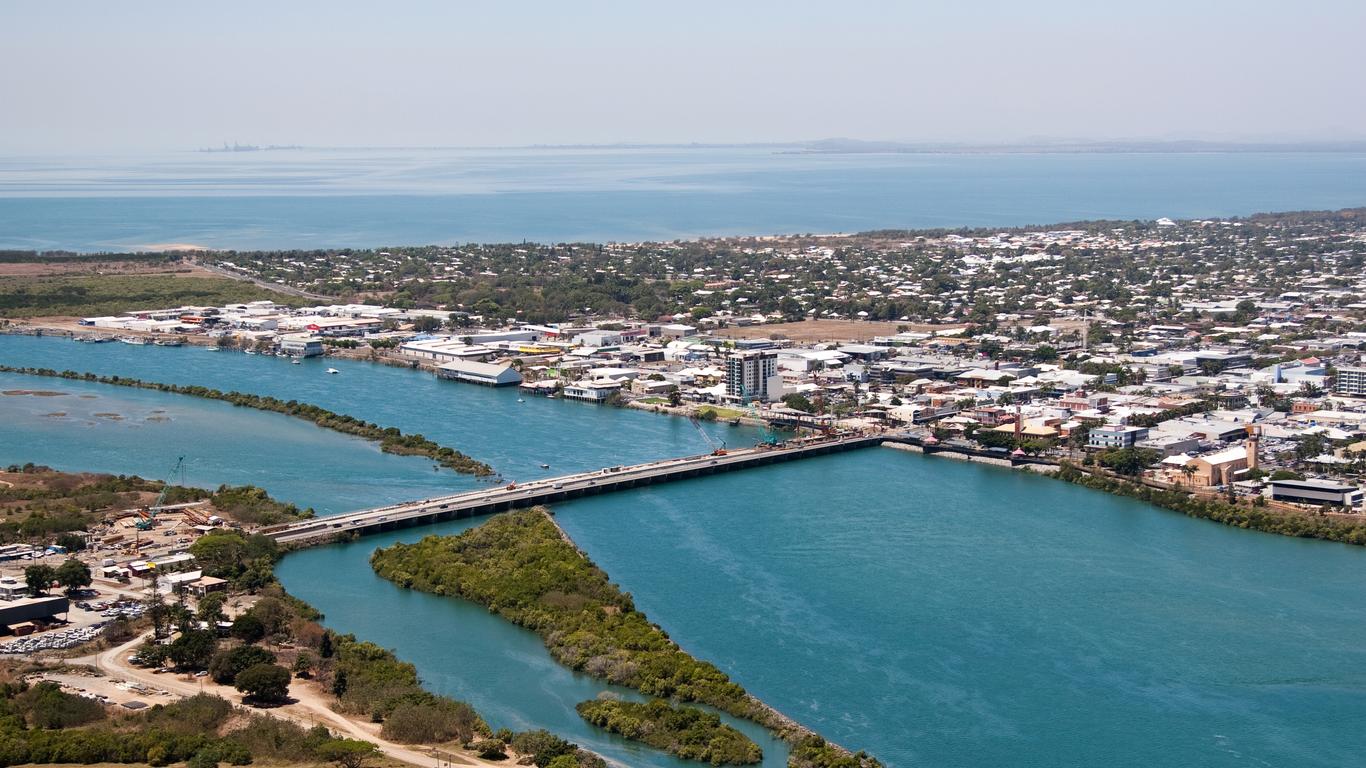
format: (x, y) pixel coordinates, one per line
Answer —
(553, 489)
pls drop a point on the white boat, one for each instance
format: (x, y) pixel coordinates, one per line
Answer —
(333, 370)
(138, 341)
(295, 362)
(520, 400)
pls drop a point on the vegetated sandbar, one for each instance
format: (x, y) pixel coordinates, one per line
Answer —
(687, 732)
(522, 567)
(391, 439)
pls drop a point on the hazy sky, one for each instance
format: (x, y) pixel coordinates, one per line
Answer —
(106, 76)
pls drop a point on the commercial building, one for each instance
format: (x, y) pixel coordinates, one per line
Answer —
(300, 345)
(1316, 492)
(753, 375)
(1351, 381)
(487, 374)
(1113, 436)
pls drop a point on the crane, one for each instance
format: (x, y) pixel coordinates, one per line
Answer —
(771, 436)
(147, 522)
(718, 448)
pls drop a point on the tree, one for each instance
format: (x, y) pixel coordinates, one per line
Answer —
(798, 402)
(71, 542)
(211, 607)
(348, 753)
(1128, 461)
(248, 628)
(303, 665)
(227, 664)
(264, 683)
(73, 575)
(426, 324)
(39, 578)
(193, 649)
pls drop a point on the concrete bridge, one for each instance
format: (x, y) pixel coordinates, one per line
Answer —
(548, 490)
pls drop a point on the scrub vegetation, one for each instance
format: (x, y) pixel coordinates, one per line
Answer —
(1256, 518)
(687, 732)
(44, 725)
(92, 295)
(390, 439)
(38, 503)
(520, 566)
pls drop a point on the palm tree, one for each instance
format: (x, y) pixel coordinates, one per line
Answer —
(1188, 470)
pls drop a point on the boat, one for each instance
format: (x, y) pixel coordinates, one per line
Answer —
(520, 400)
(333, 370)
(169, 342)
(295, 362)
(545, 466)
(137, 341)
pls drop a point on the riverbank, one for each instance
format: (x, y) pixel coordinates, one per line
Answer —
(391, 439)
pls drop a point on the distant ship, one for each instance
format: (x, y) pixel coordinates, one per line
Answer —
(333, 370)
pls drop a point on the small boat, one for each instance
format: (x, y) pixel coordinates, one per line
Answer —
(295, 361)
(169, 342)
(333, 370)
(250, 351)
(545, 466)
(520, 400)
(137, 341)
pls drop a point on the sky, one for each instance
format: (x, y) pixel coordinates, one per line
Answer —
(133, 76)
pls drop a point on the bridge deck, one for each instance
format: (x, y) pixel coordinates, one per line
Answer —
(548, 490)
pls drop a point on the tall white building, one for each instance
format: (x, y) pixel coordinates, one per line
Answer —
(1351, 381)
(752, 374)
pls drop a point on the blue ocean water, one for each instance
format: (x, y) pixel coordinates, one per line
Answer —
(930, 611)
(357, 198)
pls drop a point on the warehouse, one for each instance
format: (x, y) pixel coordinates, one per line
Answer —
(480, 373)
(1316, 492)
(19, 617)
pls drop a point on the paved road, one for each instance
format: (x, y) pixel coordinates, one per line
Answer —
(277, 287)
(537, 491)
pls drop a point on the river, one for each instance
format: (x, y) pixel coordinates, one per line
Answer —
(934, 612)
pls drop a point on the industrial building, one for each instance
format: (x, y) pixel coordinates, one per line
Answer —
(1316, 492)
(480, 373)
(19, 617)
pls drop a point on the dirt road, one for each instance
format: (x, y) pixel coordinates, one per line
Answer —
(308, 708)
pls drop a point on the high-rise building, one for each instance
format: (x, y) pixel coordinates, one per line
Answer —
(748, 374)
(1351, 381)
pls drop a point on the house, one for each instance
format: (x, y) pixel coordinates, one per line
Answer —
(591, 391)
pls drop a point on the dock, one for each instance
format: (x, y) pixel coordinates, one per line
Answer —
(554, 489)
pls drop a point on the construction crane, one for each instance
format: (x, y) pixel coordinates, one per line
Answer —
(718, 448)
(771, 436)
(147, 521)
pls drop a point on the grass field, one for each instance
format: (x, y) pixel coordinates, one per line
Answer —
(90, 295)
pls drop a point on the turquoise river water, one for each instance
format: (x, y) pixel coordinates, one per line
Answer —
(933, 612)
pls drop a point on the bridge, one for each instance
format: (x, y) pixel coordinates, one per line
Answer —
(548, 490)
